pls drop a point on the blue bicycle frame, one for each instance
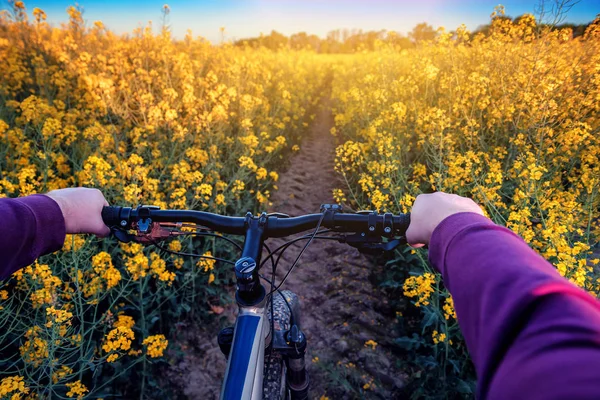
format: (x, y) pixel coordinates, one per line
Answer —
(244, 376)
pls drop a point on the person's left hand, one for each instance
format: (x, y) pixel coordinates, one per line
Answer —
(82, 210)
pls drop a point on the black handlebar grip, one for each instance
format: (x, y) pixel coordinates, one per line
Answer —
(404, 222)
(110, 215)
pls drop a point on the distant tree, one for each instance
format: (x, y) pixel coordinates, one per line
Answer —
(578, 29)
(302, 41)
(421, 32)
(274, 41)
(399, 40)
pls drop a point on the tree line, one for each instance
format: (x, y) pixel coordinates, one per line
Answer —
(350, 41)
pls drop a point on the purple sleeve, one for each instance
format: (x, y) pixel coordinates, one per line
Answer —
(31, 227)
(531, 333)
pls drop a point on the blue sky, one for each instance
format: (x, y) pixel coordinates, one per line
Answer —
(247, 18)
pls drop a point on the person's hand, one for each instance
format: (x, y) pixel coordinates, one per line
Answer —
(431, 209)
(81, 209)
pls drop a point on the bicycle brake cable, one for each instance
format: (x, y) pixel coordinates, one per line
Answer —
(287, 244)
(178, 253)
(301, 252)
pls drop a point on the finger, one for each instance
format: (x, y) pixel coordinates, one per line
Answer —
(103, 232)
(416, 245)
(410, 234)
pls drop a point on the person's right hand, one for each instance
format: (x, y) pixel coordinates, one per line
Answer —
(431, 209)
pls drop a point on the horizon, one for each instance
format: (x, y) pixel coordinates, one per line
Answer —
(247, 19)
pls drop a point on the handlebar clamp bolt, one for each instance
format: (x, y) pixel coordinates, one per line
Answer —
(123, 223)
(387, 229)
(372, 228)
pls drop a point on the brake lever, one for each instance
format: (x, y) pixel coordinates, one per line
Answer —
(146, 233)
(370, 245)
(122, 236)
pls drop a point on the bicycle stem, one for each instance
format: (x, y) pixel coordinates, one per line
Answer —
(250, 291)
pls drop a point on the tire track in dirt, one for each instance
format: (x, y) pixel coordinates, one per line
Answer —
(341, 309)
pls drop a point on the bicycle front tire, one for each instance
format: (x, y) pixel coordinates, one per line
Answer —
(274, 383)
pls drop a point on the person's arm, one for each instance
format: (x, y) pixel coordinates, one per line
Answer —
(530, 332)
(36, 225)
(31, 226)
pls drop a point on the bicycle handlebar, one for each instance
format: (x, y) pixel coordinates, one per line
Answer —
(276, 225)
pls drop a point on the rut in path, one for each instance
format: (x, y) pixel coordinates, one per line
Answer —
(341, 309)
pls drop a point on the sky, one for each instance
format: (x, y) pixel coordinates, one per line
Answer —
(248, 18)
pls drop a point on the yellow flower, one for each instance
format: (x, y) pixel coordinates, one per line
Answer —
(58, 316)
(155, 345)
(420, 287)
(237, 186)
(158, 266)
(13, 386)
(371, 343)
(102, 264)
(118, 339)
(206, 264)
(261, 173)
(220, 199)
(438, 337)
(35, 350)
(449, 311)
(62, 373)
(76, 389)
(124, 321)
(247, 162)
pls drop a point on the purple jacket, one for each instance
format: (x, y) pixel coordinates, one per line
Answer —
(531, 333)
(31, 226)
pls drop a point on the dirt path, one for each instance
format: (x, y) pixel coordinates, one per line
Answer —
(341, 308)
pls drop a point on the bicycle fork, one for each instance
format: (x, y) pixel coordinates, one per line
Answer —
(291, 345)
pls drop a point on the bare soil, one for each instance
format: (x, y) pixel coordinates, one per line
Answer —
(341, 308)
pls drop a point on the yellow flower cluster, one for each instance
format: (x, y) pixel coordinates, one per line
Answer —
(58, 316)
(35, 349)
(124, 321)
(62, 373)
(76, 389)
(156, 345)
(438, 337)
(421, 287)
(103, 267)
(118, 339)
(506, 118)
(449, 311)
(206, 264)
(13, 387)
